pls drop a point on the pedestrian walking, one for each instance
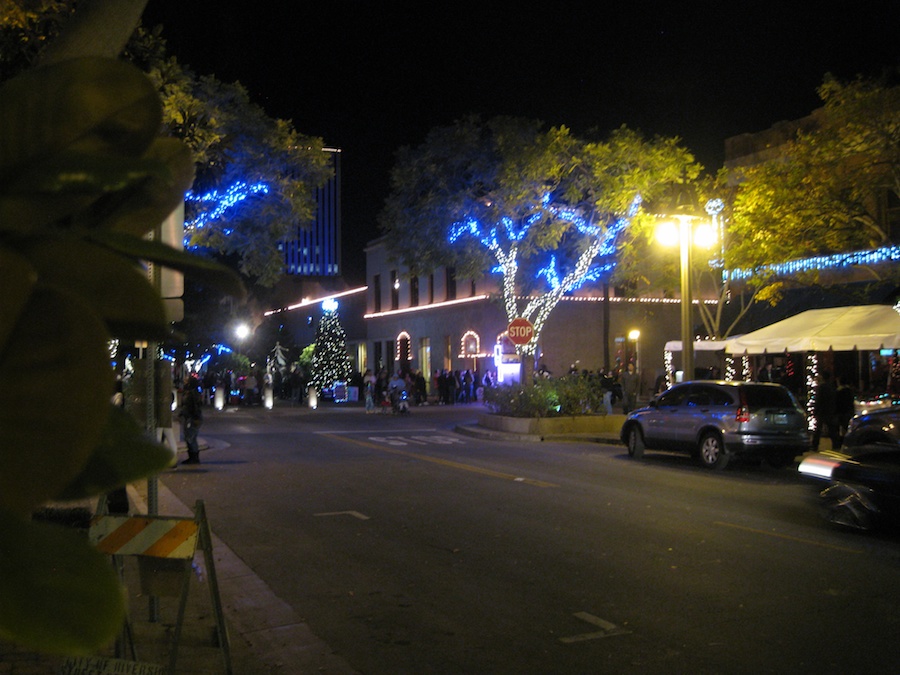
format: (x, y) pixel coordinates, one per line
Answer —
(630, 382)
(845, 407)
(191, 415)
(369, 383)
(825, 411)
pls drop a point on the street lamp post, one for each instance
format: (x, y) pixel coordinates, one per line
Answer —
(686, 238)
(635, 337)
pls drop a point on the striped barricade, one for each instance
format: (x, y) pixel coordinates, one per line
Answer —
(165, 550)
(144, 535)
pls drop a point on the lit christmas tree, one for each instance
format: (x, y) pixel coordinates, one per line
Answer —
(330, 362)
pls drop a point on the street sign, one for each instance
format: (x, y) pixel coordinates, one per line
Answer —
(520, 331)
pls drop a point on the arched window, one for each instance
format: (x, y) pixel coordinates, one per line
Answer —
(470, 345)
(404, 348)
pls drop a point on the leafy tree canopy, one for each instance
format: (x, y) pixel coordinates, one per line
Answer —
(826, 190)
(538, 204)
(232, 140)
(509, 170)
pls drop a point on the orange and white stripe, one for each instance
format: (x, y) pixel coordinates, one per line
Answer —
(144, 535)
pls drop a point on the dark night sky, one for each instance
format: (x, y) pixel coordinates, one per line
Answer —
(369, 77)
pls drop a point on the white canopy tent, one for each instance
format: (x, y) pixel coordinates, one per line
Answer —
(674, 347)
(699, 346)
(862, 327)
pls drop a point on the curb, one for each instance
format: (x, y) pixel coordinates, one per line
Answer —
(477, 431)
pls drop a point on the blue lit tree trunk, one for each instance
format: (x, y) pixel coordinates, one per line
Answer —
(330, 361)
(538, 206)
(599, 242)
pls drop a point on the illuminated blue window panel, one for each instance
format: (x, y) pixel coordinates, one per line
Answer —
(315, 250)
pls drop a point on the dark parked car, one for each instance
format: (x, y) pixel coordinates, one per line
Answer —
(715, 420)
(864, 477)
(863, 484)
(877, 426)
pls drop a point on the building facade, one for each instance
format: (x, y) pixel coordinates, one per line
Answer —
(442, 322)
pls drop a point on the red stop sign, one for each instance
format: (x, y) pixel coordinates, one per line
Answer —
(520, 331)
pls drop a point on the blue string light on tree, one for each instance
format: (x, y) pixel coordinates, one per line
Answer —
(823, 262)
(214, 204)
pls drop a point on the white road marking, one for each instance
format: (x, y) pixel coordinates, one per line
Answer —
(415, 440)
(608, 629)
(355, 514)
(438, 440)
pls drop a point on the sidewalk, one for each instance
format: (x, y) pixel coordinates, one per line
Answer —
(266, 636)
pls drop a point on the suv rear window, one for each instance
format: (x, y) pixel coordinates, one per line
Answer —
(760, 396)
(718, 396)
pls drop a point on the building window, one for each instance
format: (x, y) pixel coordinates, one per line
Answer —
(470, 345)
(414, 292)
(425, 358)
(379, 357)
(404, 351)
(376, 293)
(451, 283)
(430, 289)
(472, 293)
(395, 290)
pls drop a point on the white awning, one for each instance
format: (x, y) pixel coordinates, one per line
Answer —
(817, 330)
(699, 346)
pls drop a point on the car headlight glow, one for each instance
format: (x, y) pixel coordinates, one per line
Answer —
(818, 466)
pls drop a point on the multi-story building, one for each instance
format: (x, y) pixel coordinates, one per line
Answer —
(315, 249)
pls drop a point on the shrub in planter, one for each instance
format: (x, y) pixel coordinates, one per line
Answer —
(578, 395)
(565, 396)
(516, 400)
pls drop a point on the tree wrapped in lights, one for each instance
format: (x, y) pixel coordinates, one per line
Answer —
(540, 207)
(256, 175)
(330, 362)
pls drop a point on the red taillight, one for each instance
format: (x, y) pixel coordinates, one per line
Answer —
(743, 414)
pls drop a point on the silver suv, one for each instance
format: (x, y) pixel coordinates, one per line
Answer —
(715, 420)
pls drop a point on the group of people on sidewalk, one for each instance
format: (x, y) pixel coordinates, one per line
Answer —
(447, 387)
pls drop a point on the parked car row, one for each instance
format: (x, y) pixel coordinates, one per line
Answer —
(717, 420)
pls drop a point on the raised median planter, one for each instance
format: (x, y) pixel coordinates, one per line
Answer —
(552, 426)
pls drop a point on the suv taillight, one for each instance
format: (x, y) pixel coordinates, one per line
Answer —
(743, 411)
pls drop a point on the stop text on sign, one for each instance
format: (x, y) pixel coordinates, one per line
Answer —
(520, 331)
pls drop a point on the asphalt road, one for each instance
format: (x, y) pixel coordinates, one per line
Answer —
(410, 548)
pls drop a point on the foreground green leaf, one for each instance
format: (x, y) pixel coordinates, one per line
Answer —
(116, 290)
(89, 107)
(123, 455)
(208, 271)
(147, 203)
(54, 414)
(17, 279)
(57, 593)
(94, 105)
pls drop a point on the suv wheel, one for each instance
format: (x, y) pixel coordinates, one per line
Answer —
(712, 451)
(635, 442)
